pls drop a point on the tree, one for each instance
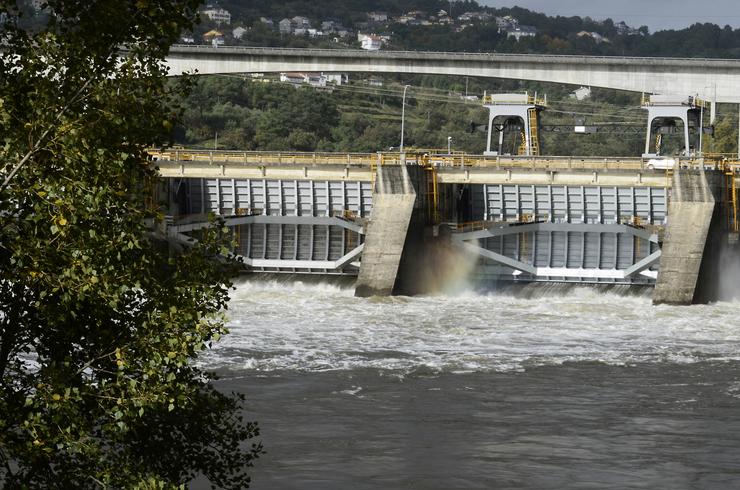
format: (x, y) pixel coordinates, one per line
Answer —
(99, 319)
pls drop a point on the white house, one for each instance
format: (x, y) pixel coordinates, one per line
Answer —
(336, 78)
(286, 26)
(312, 79)
(301, 22)
(370, 42)
(217, 14)
(377, 17)
(239, 32)
(598, 38)
(519, 32)
(581, 93)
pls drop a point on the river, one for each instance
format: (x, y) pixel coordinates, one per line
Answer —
(539, 389)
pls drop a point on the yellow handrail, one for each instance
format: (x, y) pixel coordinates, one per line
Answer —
(372, 160)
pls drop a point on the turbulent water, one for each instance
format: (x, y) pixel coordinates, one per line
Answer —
(571, 388)
(315, 328)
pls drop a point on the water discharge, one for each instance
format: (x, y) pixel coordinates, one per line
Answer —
(322, 327)
(534, 388)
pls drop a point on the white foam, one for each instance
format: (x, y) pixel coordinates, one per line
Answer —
(320, 327)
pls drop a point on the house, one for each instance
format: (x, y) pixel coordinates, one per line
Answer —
(444, 19)
(334, 26)
(467, 17)
(285, 26)
(292, 78)
(519, 32)
(214, 37)
(598, 38)
(336, 78)
(298, 79)
(217, 14)
(377, 17)
(329, 26)
(239, 32)
(301, 22)
(370, 42)
(507, 22)
(624, 30)
(471, 16)
(581, 93)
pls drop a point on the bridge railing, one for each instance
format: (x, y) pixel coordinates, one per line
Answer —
(441, 160)
(274, 158)
(457, 55)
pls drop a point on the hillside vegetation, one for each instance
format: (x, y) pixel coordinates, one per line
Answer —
(242, 113)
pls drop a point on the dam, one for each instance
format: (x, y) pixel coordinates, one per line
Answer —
(517, 216)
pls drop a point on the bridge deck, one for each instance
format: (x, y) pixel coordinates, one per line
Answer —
(450, 168)
(649, 75)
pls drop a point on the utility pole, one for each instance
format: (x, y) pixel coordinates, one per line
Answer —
(403, 113)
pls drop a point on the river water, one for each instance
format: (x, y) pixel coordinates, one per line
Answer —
(571, 388)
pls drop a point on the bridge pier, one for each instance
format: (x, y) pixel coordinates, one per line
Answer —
(392, 231)
(688, 266)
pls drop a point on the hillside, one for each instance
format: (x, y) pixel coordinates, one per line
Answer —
(427, 25)
(364, 114)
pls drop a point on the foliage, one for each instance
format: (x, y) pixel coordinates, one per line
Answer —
(263, 115)
(99, 320)
(348, 11)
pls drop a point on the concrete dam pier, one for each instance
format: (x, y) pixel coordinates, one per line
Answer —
(391, 219)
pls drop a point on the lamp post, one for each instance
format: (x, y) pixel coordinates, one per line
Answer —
(403, 114)
(449, 145)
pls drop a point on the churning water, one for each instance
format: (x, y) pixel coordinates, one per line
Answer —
(572, 388)
(315, 328)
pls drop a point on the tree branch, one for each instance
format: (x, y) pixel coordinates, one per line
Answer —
(76, 98)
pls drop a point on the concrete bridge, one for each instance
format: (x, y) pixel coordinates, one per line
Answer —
(712, 79)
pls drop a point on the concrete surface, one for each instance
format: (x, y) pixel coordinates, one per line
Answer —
(674, 76)
(690, 213)
(393, 206)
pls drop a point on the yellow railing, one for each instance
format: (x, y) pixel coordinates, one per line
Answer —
(372, 160)
(473, 225)
(731, 170)
(530, 100)
(696, 101)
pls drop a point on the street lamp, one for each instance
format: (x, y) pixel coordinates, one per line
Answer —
(403, 114)
(449, 145)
